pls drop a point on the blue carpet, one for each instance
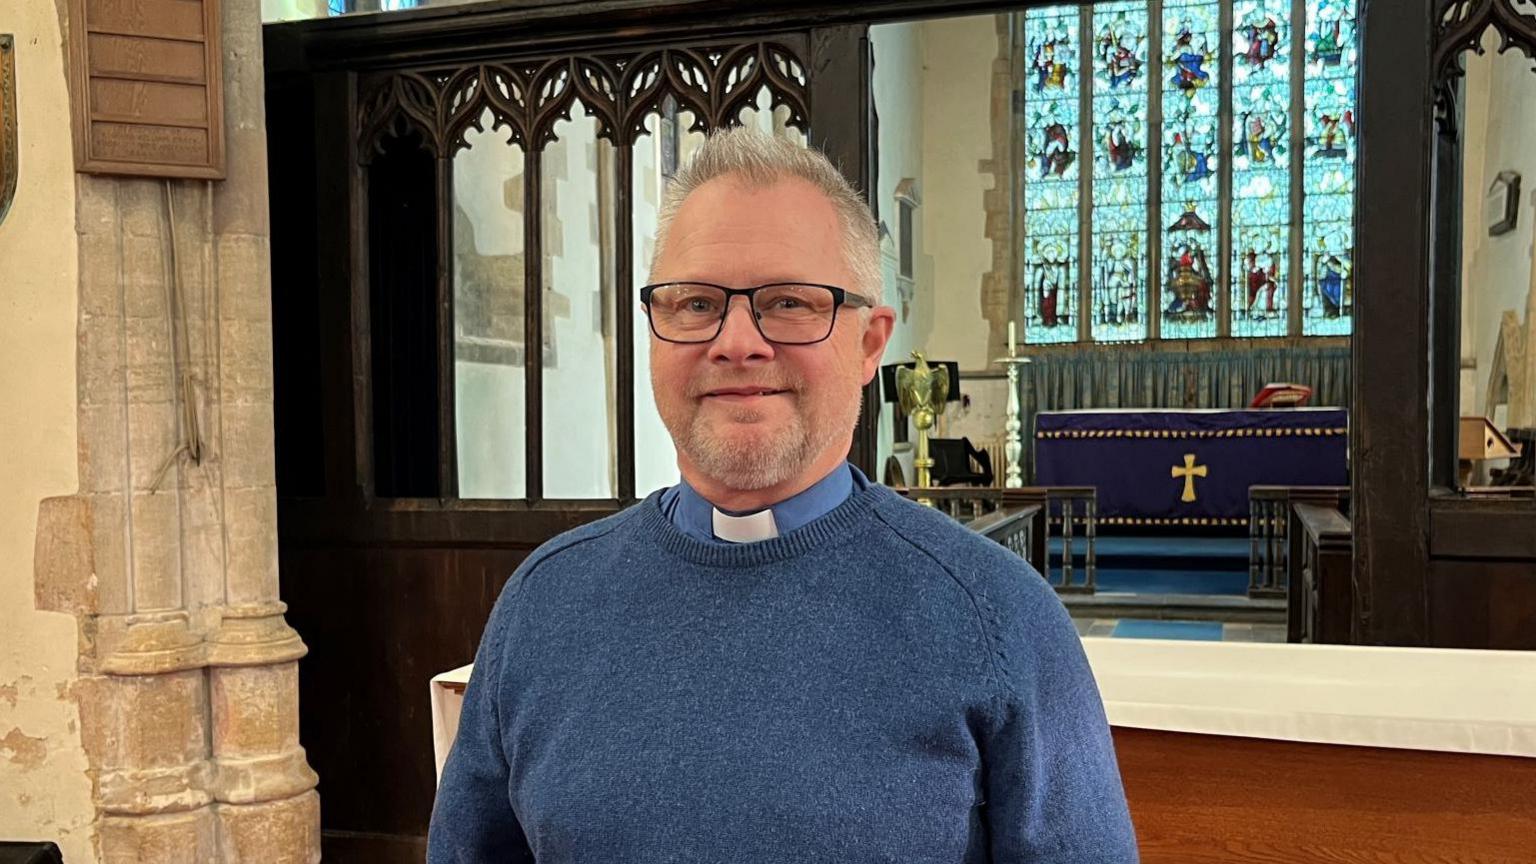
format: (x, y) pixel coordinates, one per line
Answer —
(1201, 631)
(1161, 564)
(1155, 553)
(1131, 581)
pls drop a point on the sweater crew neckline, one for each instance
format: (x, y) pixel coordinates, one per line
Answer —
(845, 520)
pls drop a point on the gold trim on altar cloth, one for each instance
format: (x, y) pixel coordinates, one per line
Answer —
(1307, 432)
(1162, 520)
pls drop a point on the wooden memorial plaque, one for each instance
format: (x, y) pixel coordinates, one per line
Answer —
(148, 83)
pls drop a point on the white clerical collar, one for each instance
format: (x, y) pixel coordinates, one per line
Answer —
(745, 529)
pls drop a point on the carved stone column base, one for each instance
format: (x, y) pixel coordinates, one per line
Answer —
(268, 811)
(147, 737)
(173, 838)
(264, 778)
(254, 635)
(276, 832)
(147, 643)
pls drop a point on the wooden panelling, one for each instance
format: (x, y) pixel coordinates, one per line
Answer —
(1482, 604)
(1461, 528)
(146, 59)
(180, 19)
(1203, 799)
(169, 104)
(1320, 586)
(379, 623)
(352, 847)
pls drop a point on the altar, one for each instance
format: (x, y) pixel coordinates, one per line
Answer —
(1189, 467)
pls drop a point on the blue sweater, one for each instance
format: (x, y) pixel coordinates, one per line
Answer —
(880, 685)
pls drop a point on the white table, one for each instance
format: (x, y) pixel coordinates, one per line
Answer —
(1407, 698)
(447, 700)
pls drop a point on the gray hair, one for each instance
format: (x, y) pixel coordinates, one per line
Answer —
(761, 160)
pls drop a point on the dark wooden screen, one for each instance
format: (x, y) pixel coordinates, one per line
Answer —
(387, 572)
(1480, 581)
(527, 97)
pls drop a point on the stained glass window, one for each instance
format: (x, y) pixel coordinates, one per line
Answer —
(1192, 162)
(1216, 191)
(1052, 137)
(1328, 184)
(1120, 73)
(1261, 209)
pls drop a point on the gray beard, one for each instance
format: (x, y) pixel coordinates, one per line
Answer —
(753, 465)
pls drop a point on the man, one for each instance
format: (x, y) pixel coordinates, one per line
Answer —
(776, 660)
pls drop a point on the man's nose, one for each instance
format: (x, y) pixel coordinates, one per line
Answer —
(739, 340)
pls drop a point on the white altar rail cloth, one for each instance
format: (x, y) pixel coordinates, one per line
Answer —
(1408, 698)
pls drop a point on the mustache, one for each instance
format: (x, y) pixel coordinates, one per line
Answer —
(699, 388)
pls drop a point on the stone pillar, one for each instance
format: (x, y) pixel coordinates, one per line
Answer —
(1520, 359)
(168, 554)
(999, 286)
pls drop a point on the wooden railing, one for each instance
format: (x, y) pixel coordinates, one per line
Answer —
(1321, 585)
(1269, 509)
(1038, 506)
(1073, 506)
(1016, 529)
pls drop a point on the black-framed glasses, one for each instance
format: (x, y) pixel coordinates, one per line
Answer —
(786, 313)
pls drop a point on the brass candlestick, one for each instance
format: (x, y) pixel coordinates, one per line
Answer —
(922, 391)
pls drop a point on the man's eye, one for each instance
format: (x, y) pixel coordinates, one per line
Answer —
(699, 304)
(787, 303)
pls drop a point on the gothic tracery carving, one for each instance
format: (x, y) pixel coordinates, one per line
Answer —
(1459, 28)
(528, 98)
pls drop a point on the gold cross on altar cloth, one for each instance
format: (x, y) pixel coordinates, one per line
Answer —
(1189, 472)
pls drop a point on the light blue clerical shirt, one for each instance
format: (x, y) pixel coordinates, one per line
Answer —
(695, 516)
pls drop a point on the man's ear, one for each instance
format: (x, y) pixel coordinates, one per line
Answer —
(877, 332)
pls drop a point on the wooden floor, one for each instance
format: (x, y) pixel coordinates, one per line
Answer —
(1200, 799)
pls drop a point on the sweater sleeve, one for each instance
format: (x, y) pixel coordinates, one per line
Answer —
(1053, 786)
(472, 818)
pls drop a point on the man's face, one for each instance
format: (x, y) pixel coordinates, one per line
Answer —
(746, 413)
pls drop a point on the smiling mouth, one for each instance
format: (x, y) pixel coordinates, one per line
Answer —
(743, 394)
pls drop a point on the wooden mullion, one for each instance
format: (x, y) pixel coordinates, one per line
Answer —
(533, 323)
(842, 125)
(361, 228)
(341, 226)
(624, 319)
(447, 436)
(1443, 299)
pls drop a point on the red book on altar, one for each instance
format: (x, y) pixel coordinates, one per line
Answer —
(1282, 396)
